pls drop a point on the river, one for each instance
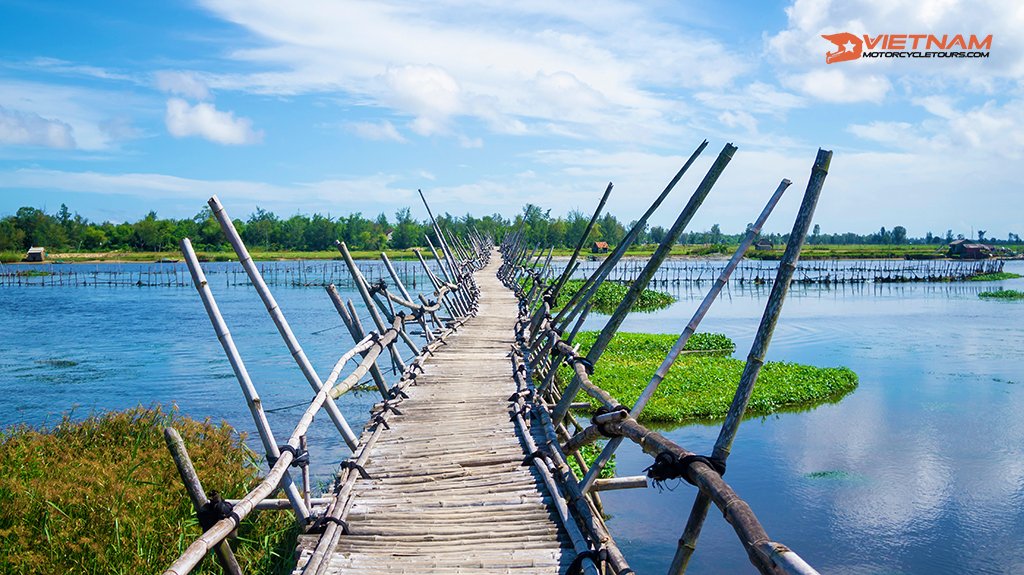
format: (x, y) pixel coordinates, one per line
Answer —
(919, 470)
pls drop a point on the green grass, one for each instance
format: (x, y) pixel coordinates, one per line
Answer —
(103, 496)
(700, 386)
(995, 277)
(609, 294)
(1007, 294)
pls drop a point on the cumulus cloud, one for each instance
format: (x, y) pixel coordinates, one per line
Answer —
(28, 129)
(206, 121)
(181, 83)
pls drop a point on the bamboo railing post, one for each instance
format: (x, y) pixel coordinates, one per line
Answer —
(279, 320)
(442, 296)
(691, 327)
(609, 262)
(405, 293)
(194, 487)
(755, 359)
(367, 300)
(355, 330)
(640, 283)
(457, 296)
(252, 398)
(583, 241)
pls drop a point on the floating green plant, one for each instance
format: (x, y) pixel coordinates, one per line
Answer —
(995, 276)
(1006, 294)
(700, 386)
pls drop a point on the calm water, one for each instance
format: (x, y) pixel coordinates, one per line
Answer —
(920, 470)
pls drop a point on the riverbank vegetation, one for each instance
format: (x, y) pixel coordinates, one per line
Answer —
(701, 384)
(1005, 294)
(303, 236)
(103, 496)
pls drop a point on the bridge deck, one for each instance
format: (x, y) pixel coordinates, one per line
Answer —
(448, 492)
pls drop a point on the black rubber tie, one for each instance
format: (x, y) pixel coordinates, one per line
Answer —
(380, 419)
(300, 457)
(349, 464)
(603, 410)
(214, 510)
(598, 556)
(336, 521)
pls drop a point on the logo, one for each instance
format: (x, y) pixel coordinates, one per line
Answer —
(852, 47)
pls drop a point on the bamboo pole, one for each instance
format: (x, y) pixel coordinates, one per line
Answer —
(357, 335)
(252, 398)
(640, 283)
(279, 320)
(405, 293)
(583, 241)
(575, 305)
(364, 293)
(691, 327)
(194, 487)
(723, 445)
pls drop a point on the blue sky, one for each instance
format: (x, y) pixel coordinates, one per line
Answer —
(118, 108)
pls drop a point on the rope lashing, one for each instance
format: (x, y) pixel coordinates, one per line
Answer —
(380, 286)
(214, 510)
(349, 464)
(587, 364)
(542, 453)
(379, 418)
(598, 556)
(525, 394)
(669, 466)
(395, 392)
(386, 406)
(603, 410)
(300, 457)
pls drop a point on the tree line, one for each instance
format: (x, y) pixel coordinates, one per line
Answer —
(263, 230)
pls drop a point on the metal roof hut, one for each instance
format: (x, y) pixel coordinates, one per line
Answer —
(599, 248)
(764, 245)
(969, 251)
(35, 255)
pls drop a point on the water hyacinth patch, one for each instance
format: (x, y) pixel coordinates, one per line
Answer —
(1006, 294)
(700, 386)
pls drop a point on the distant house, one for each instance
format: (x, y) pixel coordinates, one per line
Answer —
(35, 255)
(969, 251)
(764, 245)
(600, 248)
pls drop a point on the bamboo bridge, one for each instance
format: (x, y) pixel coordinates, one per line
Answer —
(462, 466)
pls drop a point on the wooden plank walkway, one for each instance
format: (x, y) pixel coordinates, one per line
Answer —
(448, 492)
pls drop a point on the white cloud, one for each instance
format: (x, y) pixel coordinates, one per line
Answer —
(378, 131)
(94, 117)
(608, 70)
(182, 83)
(837, 86)
(206, 121)
(28, 129)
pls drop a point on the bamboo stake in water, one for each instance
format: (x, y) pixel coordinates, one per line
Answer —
(723, 445)
(252, 398)
(279, 320)
(691, 327)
